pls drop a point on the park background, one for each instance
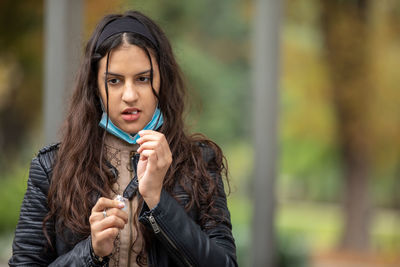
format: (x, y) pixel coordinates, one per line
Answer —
(337, 176)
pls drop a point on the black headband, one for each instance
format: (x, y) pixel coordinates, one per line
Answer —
(125, 24)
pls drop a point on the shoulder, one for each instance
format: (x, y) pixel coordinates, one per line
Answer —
(207, 151)
(41, 168)
(46, 156)
(211, 155)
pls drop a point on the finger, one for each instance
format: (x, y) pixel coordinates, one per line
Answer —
(158, 143)
(148, 138)
(147, 132)
(106, 203)
(117, 212)
(153, 136)
(149, 145)
(95, 217)
(108, 222)
(163, 153)
(149, 155)
(111, 222)
(98, 216)
(161, 157)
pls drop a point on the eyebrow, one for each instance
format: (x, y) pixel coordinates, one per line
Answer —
(120, 75)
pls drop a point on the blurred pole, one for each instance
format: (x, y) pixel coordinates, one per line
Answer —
(63, 31)
(265, 57)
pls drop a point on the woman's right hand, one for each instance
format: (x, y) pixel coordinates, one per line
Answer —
(104, 230)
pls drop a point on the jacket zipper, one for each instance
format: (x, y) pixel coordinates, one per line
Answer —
(134, 158)
(130, 221)
(130, 233)
(157, 230)
(154, 224)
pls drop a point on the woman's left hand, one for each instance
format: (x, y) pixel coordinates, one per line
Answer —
(155, 159)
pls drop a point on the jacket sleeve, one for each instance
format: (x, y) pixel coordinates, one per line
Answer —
(30, 247)
(183, 238)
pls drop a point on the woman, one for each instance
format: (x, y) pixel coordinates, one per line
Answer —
(124, 135)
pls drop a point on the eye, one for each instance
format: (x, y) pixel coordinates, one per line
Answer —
(113, 81)
(143, 79)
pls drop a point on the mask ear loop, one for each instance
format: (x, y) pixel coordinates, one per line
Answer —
(151, 82)
(102, 106)
(106, 86)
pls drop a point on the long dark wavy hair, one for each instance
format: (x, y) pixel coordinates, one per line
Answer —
(80, 172)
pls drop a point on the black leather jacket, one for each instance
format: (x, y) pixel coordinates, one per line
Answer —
(180, 241)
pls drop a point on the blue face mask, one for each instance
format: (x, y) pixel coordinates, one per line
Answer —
(155, 122)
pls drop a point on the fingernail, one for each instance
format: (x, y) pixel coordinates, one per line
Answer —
(121, 205)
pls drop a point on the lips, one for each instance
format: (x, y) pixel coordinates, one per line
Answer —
(131, 114)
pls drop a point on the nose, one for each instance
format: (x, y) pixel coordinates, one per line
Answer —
(130, 94)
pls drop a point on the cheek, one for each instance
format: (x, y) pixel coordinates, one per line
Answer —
(157, 85)
(152, 100)
(109, 102)
(101, 90)
(113, 101)
(102, 95)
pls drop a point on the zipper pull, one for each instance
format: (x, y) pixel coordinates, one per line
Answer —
(154, 224)
(134, 160)
(132, 188)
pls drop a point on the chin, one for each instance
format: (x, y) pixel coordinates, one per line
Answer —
(132, 130)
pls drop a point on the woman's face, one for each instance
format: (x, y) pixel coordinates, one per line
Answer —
(131, 99)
